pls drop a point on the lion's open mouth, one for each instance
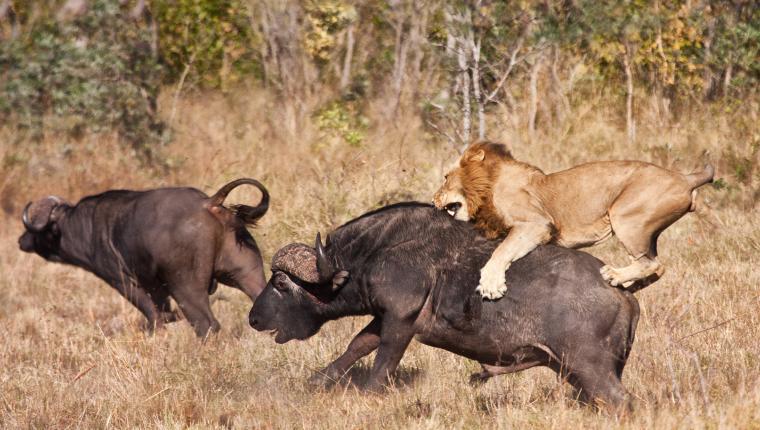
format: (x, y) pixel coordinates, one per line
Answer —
(453, 208)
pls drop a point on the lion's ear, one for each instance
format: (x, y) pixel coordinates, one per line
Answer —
(478, 156)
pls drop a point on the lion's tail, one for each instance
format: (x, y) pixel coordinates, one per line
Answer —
(697, 179)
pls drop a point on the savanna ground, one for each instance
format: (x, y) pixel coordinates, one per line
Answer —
(74, 354)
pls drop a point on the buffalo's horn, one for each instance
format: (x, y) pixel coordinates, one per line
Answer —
(25, 217)
(325, 268)
(41, 213)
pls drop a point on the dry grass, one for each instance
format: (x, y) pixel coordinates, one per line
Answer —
(74, 353)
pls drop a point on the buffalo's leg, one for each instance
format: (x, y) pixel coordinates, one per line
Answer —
(363, 343)
(603, 390)
(250, 280)
(190, 290)
(240, 265)
(140, 299)
(597, 380)
(395, 336)
(160, 298)
(488, 371)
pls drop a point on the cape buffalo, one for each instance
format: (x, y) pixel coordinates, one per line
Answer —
(150, 245)
(415, 270)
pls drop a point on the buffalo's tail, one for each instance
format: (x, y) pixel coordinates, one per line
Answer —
(247, 214)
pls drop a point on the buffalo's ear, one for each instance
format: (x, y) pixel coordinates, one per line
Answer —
(479, 156)
(339, 279)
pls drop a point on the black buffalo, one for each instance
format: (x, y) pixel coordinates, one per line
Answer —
(150, 245)
(415, 270)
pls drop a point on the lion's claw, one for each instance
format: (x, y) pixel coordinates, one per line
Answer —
(614, 277)
(493, 292)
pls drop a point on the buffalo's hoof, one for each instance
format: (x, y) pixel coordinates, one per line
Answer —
(375, 388)
(151, 327)
(321, 379)
(479, 378)
(170, 317)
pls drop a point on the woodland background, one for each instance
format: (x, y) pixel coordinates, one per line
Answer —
(340, 107)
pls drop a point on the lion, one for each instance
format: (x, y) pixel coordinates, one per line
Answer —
(574, 208)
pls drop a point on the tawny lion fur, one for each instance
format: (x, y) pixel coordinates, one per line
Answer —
(577, 207)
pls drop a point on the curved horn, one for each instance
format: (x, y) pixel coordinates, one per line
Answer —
(25, 217)
(41, 214)
(325, 268)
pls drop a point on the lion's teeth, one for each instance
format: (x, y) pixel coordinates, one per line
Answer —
(451, 212)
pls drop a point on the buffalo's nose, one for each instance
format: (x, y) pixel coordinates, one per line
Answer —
(26, 243)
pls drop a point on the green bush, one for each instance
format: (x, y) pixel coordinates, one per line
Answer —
(212, 39)
(341, 119)
(94, 73)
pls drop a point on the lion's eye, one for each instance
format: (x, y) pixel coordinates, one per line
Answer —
(446, 176)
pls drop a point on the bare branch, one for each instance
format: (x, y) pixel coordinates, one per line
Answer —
(72, 9)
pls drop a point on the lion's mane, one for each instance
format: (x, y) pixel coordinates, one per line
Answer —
(478, 178)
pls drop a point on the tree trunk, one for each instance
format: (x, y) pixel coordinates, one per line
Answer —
(562, 104)
(6, 11)
(464, 72)
(476, 91)
(708, 80)
(727, 78)
(630, 125)
(533, 107)
(418, 42)
(345, 76)
(72, 9)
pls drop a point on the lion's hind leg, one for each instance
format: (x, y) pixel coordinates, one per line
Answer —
(642, 250)
(640, 268)
(638, 222)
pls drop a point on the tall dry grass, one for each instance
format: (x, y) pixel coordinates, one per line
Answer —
(74, 354)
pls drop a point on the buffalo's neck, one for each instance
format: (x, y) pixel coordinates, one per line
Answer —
(76, 246)
(349, 301)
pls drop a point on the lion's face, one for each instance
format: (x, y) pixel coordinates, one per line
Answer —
(450, 196)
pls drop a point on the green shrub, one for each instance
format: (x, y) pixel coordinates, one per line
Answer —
(94, 73)
(341, 119)
(212, 39)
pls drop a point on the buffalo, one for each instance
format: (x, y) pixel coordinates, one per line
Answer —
(414, 269)
(155, 244)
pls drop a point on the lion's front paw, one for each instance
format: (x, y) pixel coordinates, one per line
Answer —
(492, 285)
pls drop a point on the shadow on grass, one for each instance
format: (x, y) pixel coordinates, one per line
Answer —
(358, 377)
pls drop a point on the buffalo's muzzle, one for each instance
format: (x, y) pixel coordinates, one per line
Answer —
(26, 242)
(252, 321)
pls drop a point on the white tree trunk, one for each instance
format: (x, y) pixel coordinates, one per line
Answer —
(476, 91)
(345, 76)
(727, 79)
(533, 88)
(464, 72)
(630, 125)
